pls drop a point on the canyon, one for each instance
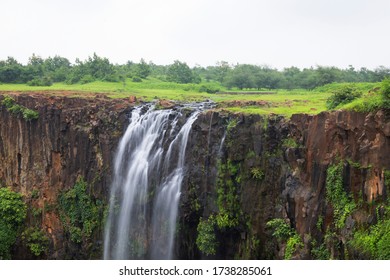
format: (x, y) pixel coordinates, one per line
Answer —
(240, 172)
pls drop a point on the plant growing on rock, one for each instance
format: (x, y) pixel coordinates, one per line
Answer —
(284, 233)
(13, 212)
(280, 229)
(19, 110)
(36, 240)
(343, 205)
(257, 173)
(206, 239)
(79, 213)
(294, 243)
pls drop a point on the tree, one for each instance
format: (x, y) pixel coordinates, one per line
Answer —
(222, 70)
(11, 71)
(58, 68)
(143, 69)
(327, 75)
(179, 72)
(242, 77)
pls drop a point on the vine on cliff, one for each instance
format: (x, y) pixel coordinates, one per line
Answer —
(79, 212)
(343, 205)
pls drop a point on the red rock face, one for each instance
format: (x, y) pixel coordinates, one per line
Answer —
(360, 140)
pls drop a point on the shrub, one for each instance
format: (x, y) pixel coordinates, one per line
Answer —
(294, 243)
(385, 88)
(36, 240)
(13, 211)
(208, 89)
(136, 79)
(257, 173)
(343, 95)
(86, 79)
(29, 114)
(281, 230)
(19, 110)
(44, 81)
(375, 241)
(79, 213)
(206, 239)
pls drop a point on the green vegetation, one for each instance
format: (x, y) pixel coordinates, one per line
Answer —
(180, 72)
(294, 243)
(337, 196)
(19, 110)
(385, 88)
(374, 242)
(319, 252)
(257, 173)
(290, 143)
(13, 212)
(36, 240)
(282, 231)
(79, 212)
(44, 72)
(294, 90)
(343, 96)
(228, 201)
(206, 239)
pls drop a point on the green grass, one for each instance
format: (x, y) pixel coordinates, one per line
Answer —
(365, 87)
(147, 90)
(283, 102)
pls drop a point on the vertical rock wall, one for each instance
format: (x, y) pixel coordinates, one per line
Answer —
(73, 137)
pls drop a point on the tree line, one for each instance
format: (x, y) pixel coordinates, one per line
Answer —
(45, 72)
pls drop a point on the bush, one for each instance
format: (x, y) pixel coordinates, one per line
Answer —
(257, 173)
(86, 79)
(281, 230)
(36, 240)
(208, 89)
(19, 110)
(374, 242)
(13, 211)
(136, 79)
(29, 114)
(343, 96)
(294, 243)
(206, 239)
(79, 213)
(41, 82)
(385, 88)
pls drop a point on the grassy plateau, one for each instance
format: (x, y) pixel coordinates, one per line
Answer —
(279, 101)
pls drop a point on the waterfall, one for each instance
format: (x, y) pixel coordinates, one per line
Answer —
(148, 173)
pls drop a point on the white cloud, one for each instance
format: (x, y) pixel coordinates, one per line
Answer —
(276, 32)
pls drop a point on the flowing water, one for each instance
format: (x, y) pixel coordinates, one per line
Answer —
(149, 169)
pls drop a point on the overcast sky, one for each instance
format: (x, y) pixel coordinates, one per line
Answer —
(279, 33)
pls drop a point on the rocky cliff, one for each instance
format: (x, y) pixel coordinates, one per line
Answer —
(271, 168)
(242, 172)
(72, 138)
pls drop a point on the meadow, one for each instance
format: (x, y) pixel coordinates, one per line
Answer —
(280, 101)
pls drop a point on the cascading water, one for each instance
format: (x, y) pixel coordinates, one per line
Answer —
(148, 172)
